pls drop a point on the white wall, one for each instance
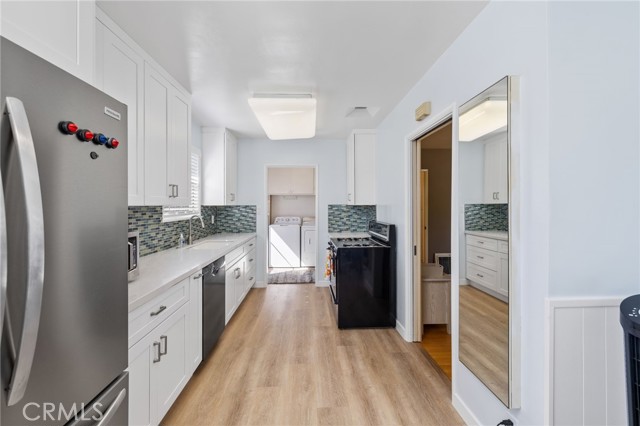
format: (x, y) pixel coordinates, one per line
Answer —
(579, 174)
(329, 156)
(594, 57)
(506, 38)
(296, 205)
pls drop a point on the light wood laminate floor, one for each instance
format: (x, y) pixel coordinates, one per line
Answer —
(283, 361)
(437, 343)
(484, 339)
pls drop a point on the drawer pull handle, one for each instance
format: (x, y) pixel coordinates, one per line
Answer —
(480, 242)
(251, 245)
(480, 275)
(250, 260)
(480, 257)
(197, 277)
(159, 311)
(163, 339)
(158, 354)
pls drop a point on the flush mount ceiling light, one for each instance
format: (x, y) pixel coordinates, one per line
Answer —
(285, 116)
(486, 117)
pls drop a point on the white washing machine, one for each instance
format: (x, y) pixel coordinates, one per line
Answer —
(308, 242)
(284, 242)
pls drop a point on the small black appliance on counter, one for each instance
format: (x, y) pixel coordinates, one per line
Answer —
(630, 321)
(363, 278)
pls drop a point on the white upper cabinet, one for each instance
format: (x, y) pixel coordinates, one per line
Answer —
(62, 32)
(220, 167)
(495, 172)
(179, 166)
(120, 73)
(361, 158)
(156, 139)
(291, 181)
(159, 117)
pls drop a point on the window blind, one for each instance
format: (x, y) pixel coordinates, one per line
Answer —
(173, 213)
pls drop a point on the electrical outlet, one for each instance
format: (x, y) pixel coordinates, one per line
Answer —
(213, 219)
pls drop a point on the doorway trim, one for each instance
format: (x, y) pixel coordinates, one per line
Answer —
(266, 213)
(412, 232)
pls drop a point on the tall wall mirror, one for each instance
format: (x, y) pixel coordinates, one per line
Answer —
(486, 344)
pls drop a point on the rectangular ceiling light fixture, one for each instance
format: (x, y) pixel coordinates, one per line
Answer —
(285, 116)
(486, 117)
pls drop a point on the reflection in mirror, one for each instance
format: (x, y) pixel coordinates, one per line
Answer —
(484, 244)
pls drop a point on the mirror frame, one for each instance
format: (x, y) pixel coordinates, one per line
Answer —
(513, 187)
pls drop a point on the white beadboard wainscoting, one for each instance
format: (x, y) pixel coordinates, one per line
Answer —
(586, 373)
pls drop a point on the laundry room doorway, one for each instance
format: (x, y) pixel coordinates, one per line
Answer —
(291, 200)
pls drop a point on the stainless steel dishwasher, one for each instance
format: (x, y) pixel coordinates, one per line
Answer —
(212, 305)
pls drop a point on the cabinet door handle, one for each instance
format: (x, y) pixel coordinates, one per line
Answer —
(250, 260)
(348, 197)
(237, 272)
(480, 275)
(177, 190)
(170, 191)
(163, 339)
(160, 309)
(157, 356)
(251, 245)
(497, 195)
(232, 196)
(197, 277)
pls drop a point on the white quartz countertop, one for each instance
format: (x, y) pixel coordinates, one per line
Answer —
(161, 270)
(348, 235)
(496, 235)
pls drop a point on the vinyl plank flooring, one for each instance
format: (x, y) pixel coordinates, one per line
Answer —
(283, 361)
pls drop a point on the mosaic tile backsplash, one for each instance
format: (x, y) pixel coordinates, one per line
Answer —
(486, 217)
(344, 218)
(156, 235)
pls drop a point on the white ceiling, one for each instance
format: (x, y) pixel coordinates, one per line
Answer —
(346, 53)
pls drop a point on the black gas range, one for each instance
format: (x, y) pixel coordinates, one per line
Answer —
(363, 284)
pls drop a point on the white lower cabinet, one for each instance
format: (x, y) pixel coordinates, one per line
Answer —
(158, 370)
(162, 361)
(194, 354)
(240, 277)
(488, 263)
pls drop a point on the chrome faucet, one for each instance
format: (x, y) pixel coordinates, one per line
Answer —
(195, 216)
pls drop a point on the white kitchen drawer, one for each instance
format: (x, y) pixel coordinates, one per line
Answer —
(250, 260)
(250, 245)
(482, 257)
(148, 316)
(251, 278)
(483, 276)
(486, 243)
(503, 247)
(233, 256)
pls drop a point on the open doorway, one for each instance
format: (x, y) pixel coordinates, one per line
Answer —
(291, 218)
(433, 220)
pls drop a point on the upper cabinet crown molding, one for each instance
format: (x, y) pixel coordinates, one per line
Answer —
(361, 163)
(219, 167)
(61, 32)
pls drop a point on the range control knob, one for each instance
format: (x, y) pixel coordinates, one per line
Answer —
(100, 139)
(84, 135)
(112, 143)
(68, 127)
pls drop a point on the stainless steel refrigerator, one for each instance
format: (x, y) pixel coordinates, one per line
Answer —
(63, 223)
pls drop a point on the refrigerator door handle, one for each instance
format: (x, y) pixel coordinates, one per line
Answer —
(3, 256)
(26, 155)
(111, 411)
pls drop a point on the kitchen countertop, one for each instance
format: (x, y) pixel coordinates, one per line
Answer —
(348, 234)
(163, 269)
(496, 235)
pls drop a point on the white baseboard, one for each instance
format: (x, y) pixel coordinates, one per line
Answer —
(323, 283)
(463, 410)
(402, 332)
(259, 284)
